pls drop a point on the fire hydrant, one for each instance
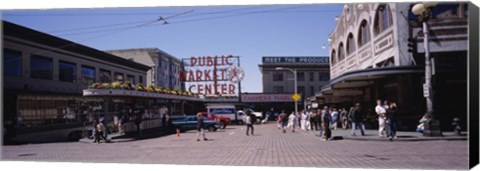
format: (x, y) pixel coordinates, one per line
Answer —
(456, 125)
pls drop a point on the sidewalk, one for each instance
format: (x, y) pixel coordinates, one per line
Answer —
(339, 134)
(132, 136)
(372, 135)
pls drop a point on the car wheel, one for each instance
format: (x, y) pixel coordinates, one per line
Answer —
(211, 129)
(240, 123)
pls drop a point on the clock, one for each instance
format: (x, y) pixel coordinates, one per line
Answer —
(235, 74)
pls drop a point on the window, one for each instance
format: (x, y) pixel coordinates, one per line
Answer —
(312, 91)
(140, 79)
(341, 54)
(333, 57)
(278, 76)
(41, 67)
(301, 90)
(383, 18)
(67, 71)
(300, 76)
(131, 78)
(277, 89)
(118, 76)
(322, 76)
(311, 76)
(88, 74)
(363, 33)
(12, 63)
(105, 76)
(350, 44)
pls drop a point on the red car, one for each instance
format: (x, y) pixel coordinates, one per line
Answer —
(221, 121)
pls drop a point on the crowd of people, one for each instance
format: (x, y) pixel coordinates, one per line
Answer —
(331, 118)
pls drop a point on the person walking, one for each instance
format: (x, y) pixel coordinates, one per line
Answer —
(334, 118)
(392, 121)
(303, 121)
(282, 120)
(248, 122)
(95, 133)
(344, 117)
(200, 125)
(292, 121)
(381, 111)
(357, 119)
(326, 120)
(313, 121)
(100, 132)
(307, 120)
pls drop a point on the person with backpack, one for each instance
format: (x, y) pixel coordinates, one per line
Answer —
(283, 120)
(200, 126)
(248, 121)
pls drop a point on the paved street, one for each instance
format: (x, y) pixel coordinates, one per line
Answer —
(269, 147)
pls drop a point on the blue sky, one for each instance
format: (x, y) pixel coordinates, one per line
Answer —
(246, 31)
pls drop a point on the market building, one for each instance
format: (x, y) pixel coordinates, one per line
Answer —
(43, 81)
(278, 75)
(376, 52)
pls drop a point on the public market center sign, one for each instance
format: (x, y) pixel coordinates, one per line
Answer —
(212, 75)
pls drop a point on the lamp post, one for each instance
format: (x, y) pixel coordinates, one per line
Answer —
(424, 13)
(295, 82)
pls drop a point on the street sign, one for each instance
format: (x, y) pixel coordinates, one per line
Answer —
(426, 93)
(296, 97)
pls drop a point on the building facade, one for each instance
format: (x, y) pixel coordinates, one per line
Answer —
(165, 68)
(44, 77)
(312, 74)
(370, 59)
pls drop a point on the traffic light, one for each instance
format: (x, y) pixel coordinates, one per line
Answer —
(412, 45)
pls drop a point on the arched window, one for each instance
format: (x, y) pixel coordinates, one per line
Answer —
(350, 44)
(383, 18)
(333, 57)
(341, 53)
(363, 33)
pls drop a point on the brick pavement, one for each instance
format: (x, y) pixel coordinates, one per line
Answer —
(269, 147)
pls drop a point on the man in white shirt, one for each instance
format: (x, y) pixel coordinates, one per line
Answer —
(381, 111)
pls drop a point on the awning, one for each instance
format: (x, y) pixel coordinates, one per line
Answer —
(343, 84)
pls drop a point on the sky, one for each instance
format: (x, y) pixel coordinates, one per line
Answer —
(246, 31)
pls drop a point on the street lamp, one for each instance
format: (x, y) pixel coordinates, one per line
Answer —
(424, 13)
(295, 82)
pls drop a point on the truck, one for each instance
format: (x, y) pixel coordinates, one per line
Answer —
(226, 110)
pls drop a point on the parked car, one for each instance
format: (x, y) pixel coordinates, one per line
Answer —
(221, 121)
(185, 123)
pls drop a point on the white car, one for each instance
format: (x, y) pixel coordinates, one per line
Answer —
(258, 115)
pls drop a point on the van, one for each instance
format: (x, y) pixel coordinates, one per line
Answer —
(226, 110)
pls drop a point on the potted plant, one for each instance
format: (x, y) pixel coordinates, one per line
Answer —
(105, 86)
(151, 88)
(140, 87)
(159, 89)
(127, 85)
(116, 85)
(94, 86)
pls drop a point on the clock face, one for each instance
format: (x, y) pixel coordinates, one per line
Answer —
(235, 74)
